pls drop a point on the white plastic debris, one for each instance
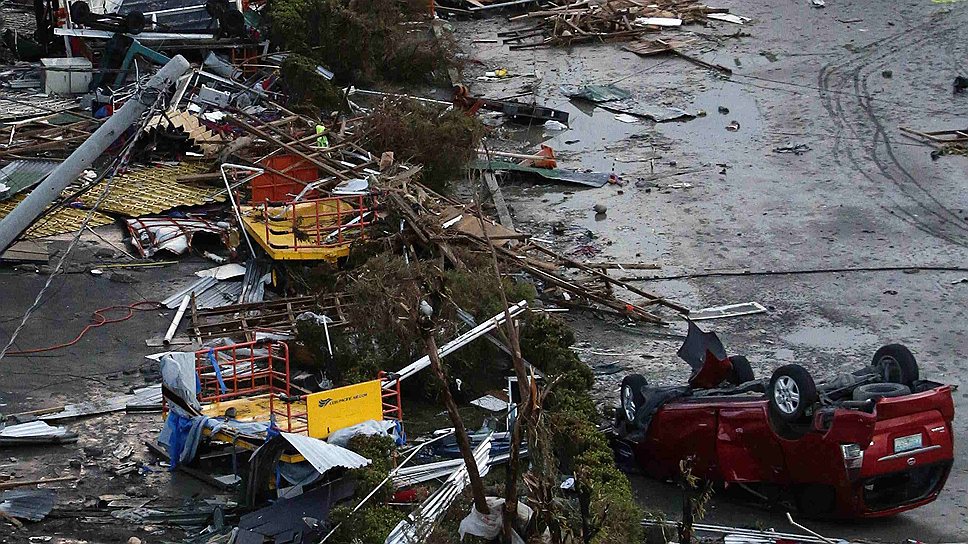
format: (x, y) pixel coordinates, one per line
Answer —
(488, 526)
(224, 272)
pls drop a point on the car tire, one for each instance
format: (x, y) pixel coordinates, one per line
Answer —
(792, 392)
(741, 372)
(896, 364)
(631, 396)
(880, 391)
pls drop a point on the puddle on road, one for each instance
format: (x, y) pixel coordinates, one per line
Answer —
(709, 133)
(832, 337)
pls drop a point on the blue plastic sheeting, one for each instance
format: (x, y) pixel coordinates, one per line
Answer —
(182, 434)
(218, 369)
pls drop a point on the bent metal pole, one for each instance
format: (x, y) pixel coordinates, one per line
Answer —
(66, 172)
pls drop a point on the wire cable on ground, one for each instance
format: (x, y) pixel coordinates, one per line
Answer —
(731, 273)
(99, 319)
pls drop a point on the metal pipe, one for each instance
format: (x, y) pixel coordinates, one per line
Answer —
(256, 172)
(178, 317)
(456, 344)
(802, 528)
(68, 171)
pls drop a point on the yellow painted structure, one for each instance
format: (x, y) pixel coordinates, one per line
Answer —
(343, 407)
(303, 231)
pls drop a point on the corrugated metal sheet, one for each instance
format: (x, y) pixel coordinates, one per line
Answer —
(418, 525)
(21, 174)
(323, 455)
(145, 399)
(34, 429)
(198, 287)
(30, 504)
(254, 282)
(14, 105)
(222, 293)
(60, 222)
(147, 191)
(89, 408)
(209, 293)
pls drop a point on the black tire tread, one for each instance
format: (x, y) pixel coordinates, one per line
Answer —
(880, 390)
(900, 353)
(742, 371)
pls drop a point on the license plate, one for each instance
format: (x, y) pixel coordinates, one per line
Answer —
(907, 443)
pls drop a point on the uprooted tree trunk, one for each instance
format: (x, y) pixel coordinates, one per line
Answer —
(463, 443)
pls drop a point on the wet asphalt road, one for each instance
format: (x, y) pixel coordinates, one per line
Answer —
(841, 80)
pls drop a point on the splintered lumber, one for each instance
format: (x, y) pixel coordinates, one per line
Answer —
(582, 22)
(497, 196)
(518, 261)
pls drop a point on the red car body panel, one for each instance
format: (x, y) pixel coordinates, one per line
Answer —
(732, 440)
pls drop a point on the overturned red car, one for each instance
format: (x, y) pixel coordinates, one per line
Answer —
(872, 443)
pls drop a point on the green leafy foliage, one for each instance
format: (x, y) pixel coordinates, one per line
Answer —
(369, 525)
(361, 40)
(307, 88)
(443, 142)
(579, 448)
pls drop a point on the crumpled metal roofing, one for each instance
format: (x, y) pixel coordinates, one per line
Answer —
(418, 525)
(209, 293)
(147, 191)
(21, 174)
(34, 429)
(62, 221)
(29, 504)
(198, 287)
(254, 282)
(323, 455)
(222, 293)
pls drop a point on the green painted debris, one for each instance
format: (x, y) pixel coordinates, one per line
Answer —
(588, 179)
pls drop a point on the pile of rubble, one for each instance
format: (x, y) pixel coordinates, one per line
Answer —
(337, 263)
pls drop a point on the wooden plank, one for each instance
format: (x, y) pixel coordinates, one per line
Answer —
(503, 213)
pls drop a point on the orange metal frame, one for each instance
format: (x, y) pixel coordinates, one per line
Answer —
(252, 375)
(267, 375)
(392, 403)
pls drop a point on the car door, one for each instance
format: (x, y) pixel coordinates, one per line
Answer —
(746, 447)
(681, 431)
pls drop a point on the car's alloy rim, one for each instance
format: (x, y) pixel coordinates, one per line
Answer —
(627, 403)
(787, 394)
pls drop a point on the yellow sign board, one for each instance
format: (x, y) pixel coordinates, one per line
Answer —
(336, 409)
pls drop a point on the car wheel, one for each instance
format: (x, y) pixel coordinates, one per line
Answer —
(631, 396)
(895, 363)
(880, 390)
(741, 372)
(792, 392)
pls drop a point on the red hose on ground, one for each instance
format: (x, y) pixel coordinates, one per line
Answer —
(99, 320)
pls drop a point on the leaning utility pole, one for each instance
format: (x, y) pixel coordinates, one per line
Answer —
(84, 156)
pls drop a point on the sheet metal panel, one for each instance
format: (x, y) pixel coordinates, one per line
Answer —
(323, 455)
(22, 174)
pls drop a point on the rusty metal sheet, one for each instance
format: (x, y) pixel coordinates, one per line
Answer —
(148, 191)
(60, 222)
